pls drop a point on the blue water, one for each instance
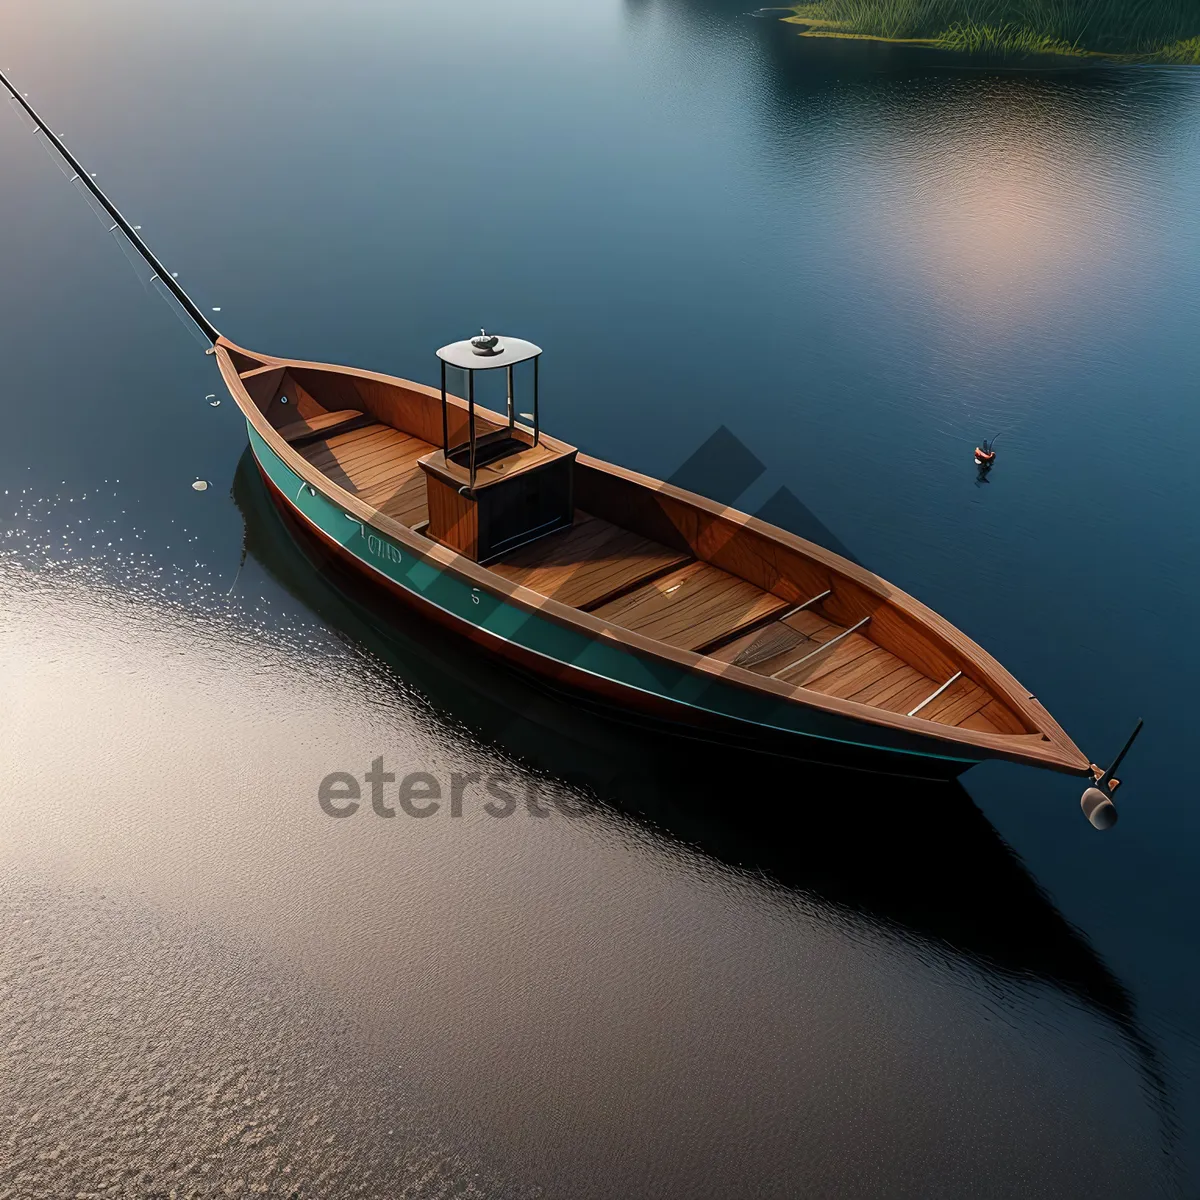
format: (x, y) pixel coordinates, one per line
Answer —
(857, 262)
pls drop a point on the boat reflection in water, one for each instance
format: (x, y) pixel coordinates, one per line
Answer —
(912, 858)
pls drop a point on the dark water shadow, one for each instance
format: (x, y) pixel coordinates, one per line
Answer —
(917, 860)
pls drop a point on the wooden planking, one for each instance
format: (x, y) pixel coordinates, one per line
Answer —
(329, 452)
(761, 646)
(378, 468)
(861, 672)
(404, 499)
(907, 698)
(1003, 718)
(967, 706)
(979, 723)
(843, 654)
(892, 629)
(320, 423)
(381, 473)
(951, 696)
(361, 447)
(340, 442)
(365, 457)
(589, 564)
(355, 458)
(985, 721)
(962, 700)
(453, 519)
(795, 635)
(814, 625)
(378, 483)
(726, 540)
(882, 689)
(690, 606)
(379, 465)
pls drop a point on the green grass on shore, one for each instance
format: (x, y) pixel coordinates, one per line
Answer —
(1166, 30)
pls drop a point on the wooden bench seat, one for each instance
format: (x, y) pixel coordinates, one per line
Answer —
(324, 424)
(589, 564)
(692, 606)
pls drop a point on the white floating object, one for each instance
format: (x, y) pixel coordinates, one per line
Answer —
(214, 404)
(526, 416)
(200, 485)
(174, 274)
(216, 310)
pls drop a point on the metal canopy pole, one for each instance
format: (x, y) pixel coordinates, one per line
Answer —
(471, 419)
(445, 417)
(511, 415)
(536, 426)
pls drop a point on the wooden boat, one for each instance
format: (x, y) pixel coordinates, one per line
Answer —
(648, 598)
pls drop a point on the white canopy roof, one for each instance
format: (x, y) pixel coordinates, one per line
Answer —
(507, 351)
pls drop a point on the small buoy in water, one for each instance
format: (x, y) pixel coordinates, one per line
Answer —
(201, 485)
(1098, 808)
(214, 404)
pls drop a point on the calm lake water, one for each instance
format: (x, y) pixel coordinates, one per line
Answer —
(701, 975)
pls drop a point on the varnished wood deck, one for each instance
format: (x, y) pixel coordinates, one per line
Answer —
(691, 606)
(379, 465)
(588, 564)
(642, 585)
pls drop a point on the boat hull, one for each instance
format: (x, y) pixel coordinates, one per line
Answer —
(623, 684)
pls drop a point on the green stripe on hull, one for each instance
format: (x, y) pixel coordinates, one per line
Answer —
(533, 633)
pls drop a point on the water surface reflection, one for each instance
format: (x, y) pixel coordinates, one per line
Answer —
(674, 984)
(723, 977)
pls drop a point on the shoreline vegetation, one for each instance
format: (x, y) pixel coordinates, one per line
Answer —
(1164, 31)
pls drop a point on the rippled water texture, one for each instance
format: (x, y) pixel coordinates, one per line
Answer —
(699, 974)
